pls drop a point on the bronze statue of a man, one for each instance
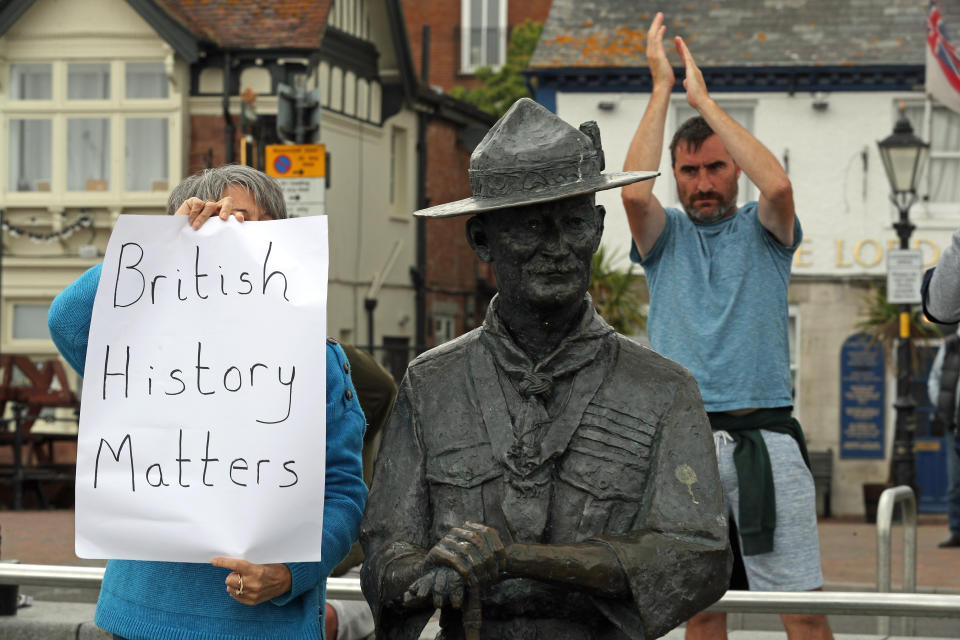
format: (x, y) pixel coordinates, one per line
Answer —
(543, 477)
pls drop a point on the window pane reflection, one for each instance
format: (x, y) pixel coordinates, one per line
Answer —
(146, 80)
(31, 81)
(30, 321)
(30, 153)
(146, 154)
(88, 154)
(88, 81)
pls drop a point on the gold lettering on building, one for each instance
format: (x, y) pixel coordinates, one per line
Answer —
(934, 252)
(867, 253)
(840, 262)
(802, 257)
(877, 250)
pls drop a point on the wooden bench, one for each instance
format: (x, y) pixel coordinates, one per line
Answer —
(35, 387)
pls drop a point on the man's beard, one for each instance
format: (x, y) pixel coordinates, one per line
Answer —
(720, 211)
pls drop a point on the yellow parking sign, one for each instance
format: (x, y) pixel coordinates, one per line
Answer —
(296, 160)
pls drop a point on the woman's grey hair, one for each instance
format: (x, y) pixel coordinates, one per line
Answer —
(210, 184)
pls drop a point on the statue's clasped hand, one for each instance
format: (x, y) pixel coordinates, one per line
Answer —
(469, 556)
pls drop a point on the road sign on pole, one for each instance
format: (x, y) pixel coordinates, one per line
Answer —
(296, 160)
(304, 196)
(301, 171)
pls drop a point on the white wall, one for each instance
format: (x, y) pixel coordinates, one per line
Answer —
(845, 212)
(364, 227)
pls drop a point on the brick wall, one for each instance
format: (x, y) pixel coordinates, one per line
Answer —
(207, 143)
(444, 20)
(520, 10)
(452, 267)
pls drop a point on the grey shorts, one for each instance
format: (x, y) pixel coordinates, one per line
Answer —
(794, 563)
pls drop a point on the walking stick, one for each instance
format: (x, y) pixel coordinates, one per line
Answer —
(472, 614)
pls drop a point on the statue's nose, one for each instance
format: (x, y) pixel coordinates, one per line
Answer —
(552, 240)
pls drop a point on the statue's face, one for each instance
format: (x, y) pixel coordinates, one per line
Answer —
(541, 254)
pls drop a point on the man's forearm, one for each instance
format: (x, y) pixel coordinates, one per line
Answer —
(646, 147)
(588, 565)
(644, 213)
(758, 162)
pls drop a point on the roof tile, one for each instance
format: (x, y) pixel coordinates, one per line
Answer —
(253, 24)
(611, 33)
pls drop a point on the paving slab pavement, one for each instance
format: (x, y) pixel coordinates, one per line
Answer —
(53, 621)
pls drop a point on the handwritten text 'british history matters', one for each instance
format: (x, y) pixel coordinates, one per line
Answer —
(204, 393)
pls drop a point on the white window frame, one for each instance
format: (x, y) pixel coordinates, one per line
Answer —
(32, 346)
(465, 26)
(681, 110)
(940, 209)
(58, 110)
(444, 327)
(398, 171)
(796, 355)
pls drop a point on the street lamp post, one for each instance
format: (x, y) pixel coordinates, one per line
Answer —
(903, 156)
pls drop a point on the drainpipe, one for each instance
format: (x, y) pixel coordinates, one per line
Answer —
(420, 276)
(228, 128)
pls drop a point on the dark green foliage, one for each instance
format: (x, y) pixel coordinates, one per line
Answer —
(881, 320)
(615, 296)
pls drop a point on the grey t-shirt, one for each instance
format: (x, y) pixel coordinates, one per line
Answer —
(718, 306)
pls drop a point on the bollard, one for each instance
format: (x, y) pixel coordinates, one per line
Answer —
(904, 496)
(8, 597)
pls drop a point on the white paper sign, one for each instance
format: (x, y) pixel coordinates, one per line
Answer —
(202, 431)
(904, 276)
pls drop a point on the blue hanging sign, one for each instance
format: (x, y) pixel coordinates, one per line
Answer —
(862, 387)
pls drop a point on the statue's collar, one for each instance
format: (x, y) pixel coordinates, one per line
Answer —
(576, 344)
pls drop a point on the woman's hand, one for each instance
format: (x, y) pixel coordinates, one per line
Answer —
(254, 583)
(199, 211)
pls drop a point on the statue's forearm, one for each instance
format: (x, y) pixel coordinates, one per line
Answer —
(398, 576)
(588, 565)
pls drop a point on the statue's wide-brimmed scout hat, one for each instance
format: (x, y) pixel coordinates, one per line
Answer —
(531, 156)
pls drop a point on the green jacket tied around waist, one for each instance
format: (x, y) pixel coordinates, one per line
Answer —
(758, 505)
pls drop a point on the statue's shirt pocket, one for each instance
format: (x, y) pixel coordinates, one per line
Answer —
(609, 454)
(457, 479)
(467, 466)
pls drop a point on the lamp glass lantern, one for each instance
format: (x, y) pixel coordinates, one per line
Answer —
(903, 155)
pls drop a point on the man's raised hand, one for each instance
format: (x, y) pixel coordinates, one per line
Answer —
(696, 88)
(660, 67)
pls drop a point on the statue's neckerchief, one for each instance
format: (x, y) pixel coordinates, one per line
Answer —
(525, 443)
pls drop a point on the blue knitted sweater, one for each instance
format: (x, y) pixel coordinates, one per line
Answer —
(186, 601)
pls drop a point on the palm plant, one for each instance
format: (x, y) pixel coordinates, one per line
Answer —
(614, 296)
(881, 320)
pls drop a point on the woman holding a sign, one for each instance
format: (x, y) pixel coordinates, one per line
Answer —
(226, 597)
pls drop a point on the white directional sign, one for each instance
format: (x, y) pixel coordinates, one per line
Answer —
(304, 196)
(904, 276)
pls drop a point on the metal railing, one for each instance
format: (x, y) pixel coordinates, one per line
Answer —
(904, 496)
(825, 602)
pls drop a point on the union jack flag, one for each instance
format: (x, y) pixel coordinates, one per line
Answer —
(943, 64)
